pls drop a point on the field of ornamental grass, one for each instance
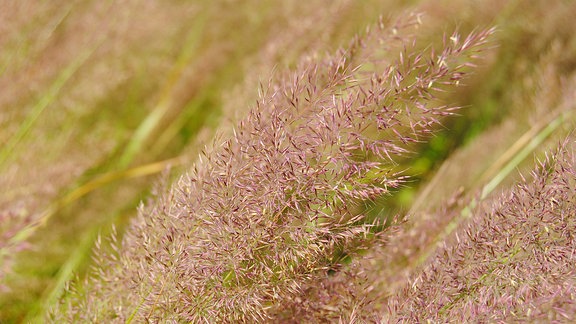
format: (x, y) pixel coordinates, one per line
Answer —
(287, 161)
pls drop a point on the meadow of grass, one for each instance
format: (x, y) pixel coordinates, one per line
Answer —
(336, 181)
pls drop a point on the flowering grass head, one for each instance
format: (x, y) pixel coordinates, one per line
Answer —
(268, 212)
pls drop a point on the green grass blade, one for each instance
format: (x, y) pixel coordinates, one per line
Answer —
(144, 131)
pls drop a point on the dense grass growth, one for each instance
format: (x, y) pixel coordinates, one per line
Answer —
(337, 180)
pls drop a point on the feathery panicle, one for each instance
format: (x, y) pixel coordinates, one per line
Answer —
(513, 262)
(265, 215)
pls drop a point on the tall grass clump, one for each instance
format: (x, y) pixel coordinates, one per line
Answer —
(266, 214)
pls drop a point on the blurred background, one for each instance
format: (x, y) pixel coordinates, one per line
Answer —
(102, 100)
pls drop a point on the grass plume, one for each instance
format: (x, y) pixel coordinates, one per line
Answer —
(512, 262)
(270, 211)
